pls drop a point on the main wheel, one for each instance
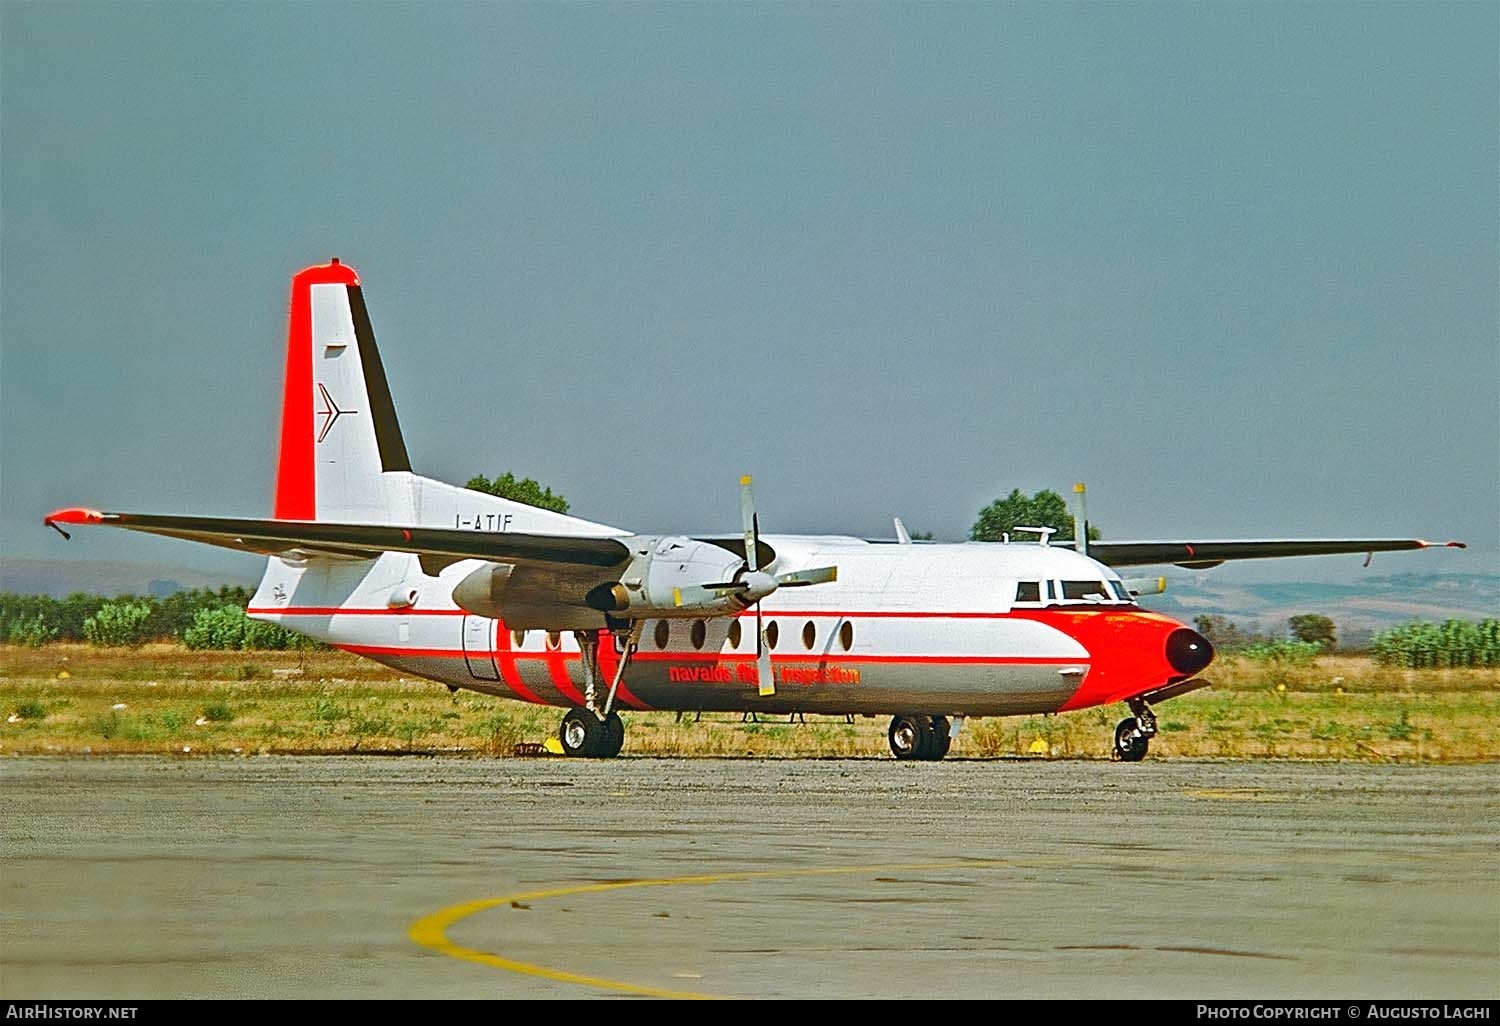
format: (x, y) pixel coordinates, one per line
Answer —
(613, 738)
(1130, 744)
(911, 736)
(941, 742)
(582, 734)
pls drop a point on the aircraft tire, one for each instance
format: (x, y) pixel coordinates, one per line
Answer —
(582, 734)
(940, 743)
(910, 736)
(1129, 745)
(613, 737)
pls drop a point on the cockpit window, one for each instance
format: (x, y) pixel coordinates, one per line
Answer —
(1085, 591)
(1095, 592)
(1028, 591)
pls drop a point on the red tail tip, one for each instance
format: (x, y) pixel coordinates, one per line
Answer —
(331, 273)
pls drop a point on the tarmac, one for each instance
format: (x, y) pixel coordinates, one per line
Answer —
(333, 877)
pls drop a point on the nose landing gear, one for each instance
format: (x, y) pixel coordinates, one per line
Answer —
(1133, 735)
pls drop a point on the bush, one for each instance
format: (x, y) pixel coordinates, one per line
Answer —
(118, 623)
(227, 627)
(1283, 653)
(33, 632)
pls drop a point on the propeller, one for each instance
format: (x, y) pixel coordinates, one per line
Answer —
(753, 584)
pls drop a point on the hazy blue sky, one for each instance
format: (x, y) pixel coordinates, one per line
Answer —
(1235, 265)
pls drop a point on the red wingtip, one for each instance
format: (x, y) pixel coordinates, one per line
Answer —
(73, 515)
(1445, 545)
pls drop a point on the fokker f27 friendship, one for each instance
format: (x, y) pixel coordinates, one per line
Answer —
(483, 593)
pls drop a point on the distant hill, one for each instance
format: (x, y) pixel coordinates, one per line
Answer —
(1358, 610)
(61, 579)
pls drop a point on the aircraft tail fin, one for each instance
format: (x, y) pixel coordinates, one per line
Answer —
(339, 433)
(342, 456)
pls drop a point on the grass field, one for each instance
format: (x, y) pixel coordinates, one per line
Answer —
(76, 699)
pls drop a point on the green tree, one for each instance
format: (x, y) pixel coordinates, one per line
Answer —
(1315, 629)
(525, 490)
(1044, 509)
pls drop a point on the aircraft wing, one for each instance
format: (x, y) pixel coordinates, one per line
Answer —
(305, 538)
(1200, 555)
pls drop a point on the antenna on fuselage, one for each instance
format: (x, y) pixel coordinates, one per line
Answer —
(1081, 521)
(1045, 533)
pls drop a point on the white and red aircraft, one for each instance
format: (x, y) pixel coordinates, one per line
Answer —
(496, 596)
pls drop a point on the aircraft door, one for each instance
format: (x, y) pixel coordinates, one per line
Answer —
(479, 647)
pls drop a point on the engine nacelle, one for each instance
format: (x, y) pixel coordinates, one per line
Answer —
(667, 579)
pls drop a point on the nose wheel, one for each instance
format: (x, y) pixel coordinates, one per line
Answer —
(1133, 735)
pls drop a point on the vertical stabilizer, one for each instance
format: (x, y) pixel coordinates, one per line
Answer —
(339, 433)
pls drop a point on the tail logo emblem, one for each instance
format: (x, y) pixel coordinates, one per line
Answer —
(330, 412)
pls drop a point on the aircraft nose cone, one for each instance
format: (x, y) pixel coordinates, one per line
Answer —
(1188, 651)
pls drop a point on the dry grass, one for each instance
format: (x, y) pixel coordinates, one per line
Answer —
(163, 699)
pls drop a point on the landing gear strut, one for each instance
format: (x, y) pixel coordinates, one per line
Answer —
(596, 732)
(1133, 735)
(923, 738)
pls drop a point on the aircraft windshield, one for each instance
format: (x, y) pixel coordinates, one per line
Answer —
(1072, 593)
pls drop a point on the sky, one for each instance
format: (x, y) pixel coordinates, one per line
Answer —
(1236, 266)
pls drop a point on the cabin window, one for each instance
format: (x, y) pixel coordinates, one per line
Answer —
(1029, 591)
(554, 640)
(699, 633)
(773, 633)
(734, 634)
(662, 633)
(846, 636)
(518, 639)
(809, 635)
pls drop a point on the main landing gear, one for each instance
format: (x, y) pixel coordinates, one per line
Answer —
(583, 733)
(594, 731)
(1133, 735)
(924, 738)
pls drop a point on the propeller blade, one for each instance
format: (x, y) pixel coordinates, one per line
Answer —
(802, 578)
(751, 524)
(763, 658)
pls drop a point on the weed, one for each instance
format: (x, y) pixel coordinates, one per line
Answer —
(1402, 729)
(31, 710)
(218, 712)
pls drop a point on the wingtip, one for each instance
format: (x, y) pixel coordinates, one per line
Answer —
(73, 515)
(1445, 545)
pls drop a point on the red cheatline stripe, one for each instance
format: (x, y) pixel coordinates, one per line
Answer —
(609, 659)
(813, 657)
(505, 659)
(349, 611)
(398, 650)
(559, 659)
